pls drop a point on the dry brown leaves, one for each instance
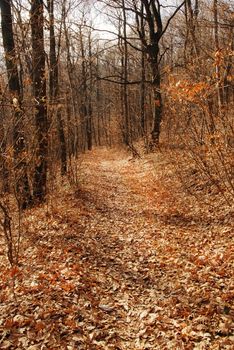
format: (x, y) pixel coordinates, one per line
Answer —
(124, 262)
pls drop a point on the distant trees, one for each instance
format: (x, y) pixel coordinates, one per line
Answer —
(143, 30)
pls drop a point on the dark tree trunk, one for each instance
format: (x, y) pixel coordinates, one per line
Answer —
(91, 129)
(86, 110)
(149, 17)
(154, 20)
(157, 101)
(143, 93)
(54, 90)
(127, 129)
(217, 56)
(39, 90)
(191, 21)
(72, 108)
(22, 185)
(98, 104)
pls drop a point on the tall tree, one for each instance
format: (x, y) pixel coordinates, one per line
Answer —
(124, 49)
(191, 21)
(151, 31)
(54, 88)
(21, 179)
(218, 55)
(39, 91)
(86, 107)
(143, 78)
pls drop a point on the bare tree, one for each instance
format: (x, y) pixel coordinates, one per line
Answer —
(39, 91)
(191, 14)
(217, 55)
(86, 106)
(54, 88)
(151, 30)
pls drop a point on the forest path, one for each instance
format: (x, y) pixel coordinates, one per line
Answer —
(120, 264)
(120, 249)
(149, 257)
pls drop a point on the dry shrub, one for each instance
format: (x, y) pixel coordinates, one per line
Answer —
(200, 136)
(10, 228)
(74, 172)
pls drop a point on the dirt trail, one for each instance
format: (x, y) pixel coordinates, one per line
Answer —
(122, 251)
(113, 269)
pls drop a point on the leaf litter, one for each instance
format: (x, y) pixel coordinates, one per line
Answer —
(126, 261)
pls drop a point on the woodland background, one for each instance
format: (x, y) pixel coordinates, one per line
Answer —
(161, 70)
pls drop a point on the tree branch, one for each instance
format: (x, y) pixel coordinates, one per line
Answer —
(172, 16)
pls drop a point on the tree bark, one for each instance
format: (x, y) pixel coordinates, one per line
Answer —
(217, 56)
(39, 90)
(191, 19)
(22, 188)
(86, 109)
(143, 76)
(54, 90)
(154, 20)
(149, 16)
(127, 124)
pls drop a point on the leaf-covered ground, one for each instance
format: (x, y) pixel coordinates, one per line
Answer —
(125, 262)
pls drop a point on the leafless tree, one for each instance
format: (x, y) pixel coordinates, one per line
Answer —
(39, 91)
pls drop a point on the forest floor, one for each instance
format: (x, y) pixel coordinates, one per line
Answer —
(124, 262)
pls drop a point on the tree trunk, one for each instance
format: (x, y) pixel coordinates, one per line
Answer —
(217, 56)
(86, 110)
(143, 93)
(150, 30)
(127, 124)
(91, 128)
(228, 91)
(39, 90)
(3, 148)
(157, 101)
(54, 90)
(191, 19)
(72, 126)
(22, 188)
(150, 15)
(98, 104)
